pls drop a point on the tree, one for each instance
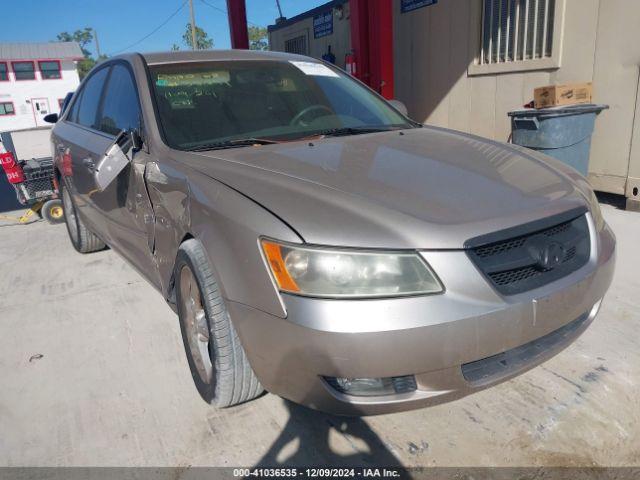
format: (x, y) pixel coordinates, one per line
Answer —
(258, 38)
(83, 37)
(203, 41)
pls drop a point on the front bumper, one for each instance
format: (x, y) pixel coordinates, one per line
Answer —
(431, 337)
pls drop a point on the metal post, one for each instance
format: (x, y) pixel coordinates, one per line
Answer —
(95, 38)
(238, 24)
(194, 44)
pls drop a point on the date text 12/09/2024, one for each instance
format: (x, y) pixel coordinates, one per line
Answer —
(318, 472)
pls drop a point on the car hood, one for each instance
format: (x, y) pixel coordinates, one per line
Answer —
(417, 188)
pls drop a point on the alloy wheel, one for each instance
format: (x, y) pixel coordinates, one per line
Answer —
(196, 325)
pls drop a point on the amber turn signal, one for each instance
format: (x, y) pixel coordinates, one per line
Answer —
(273, 253)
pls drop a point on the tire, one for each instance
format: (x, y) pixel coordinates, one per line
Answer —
(52, 211)
(208, 333)
(82, 239)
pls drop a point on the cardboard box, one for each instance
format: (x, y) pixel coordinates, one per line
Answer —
(554, 95)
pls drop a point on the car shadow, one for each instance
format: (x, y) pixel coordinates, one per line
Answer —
(306, 440)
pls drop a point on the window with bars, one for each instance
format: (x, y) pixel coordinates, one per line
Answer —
(296, 45)
(517, 30)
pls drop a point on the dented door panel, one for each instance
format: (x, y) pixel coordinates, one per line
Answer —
(133, 226)
(168, 191)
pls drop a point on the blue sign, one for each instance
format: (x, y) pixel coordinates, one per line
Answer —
(323, 24)
(410, 5)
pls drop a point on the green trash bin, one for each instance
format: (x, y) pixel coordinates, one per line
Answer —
(561, 132)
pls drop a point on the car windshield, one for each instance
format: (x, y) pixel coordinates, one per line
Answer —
(211, 104)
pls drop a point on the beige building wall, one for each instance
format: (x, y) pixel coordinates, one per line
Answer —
(597, 41)
(340, 40)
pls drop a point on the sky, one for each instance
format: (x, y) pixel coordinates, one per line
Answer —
(122, 24)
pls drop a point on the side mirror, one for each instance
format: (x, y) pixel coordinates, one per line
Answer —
(136, 139)
(114, 160)
(398, 105)
(51, 118)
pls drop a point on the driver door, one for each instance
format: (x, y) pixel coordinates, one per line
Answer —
(130, 210)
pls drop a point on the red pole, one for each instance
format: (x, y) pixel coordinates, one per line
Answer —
(372, 43)
(381, 50)
(359, 14)
(238, 24)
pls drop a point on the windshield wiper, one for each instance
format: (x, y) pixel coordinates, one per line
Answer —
(337, 132)
(239, 142)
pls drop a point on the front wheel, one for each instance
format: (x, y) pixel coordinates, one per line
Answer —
(218, 363)
(82, 239)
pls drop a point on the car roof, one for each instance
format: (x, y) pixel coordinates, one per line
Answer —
(212, 55)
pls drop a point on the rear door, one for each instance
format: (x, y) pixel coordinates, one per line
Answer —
(81, 145)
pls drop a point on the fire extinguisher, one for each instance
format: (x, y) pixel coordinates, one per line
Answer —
(350, 63)
(11, 168)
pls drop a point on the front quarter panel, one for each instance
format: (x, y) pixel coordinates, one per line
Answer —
(168, 190)
(229, 225)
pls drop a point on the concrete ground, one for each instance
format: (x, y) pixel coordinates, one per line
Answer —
(92, 373)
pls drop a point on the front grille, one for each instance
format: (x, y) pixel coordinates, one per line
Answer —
(513, 276)
(501, 247)
(509, 277)
(532, 255)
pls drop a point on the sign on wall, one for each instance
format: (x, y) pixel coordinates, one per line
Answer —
(323, 24)
(410, 5)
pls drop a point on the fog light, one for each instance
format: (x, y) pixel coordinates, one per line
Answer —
(372, 387)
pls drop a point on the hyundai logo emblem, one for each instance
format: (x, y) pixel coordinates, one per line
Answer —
(550, 255)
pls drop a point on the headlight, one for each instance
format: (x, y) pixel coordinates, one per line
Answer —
(596, 213)
(329, 272)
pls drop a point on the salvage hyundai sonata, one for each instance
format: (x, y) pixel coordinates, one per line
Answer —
(317, 243)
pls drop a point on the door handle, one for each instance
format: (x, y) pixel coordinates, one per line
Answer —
(88, 163)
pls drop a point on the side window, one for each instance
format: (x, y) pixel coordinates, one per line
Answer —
(120, 108)
(91, 95)
(73, 114)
